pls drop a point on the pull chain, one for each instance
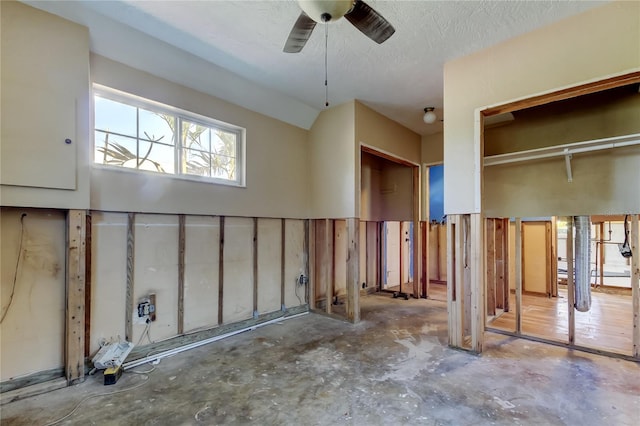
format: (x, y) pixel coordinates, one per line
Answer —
(326, 78)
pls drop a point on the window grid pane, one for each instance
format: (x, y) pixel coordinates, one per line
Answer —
(141, 137)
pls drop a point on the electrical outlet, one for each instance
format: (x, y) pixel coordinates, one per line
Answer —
(146, 311)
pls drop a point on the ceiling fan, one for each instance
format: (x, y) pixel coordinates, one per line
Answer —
(360, 14)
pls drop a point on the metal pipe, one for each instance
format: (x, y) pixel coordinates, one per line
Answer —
(583, 257)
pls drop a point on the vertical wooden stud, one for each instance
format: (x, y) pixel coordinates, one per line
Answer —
(353, 269)
(549, 258)
(75, 313)
(416, 247)
(402, 259)
(499, 262)
(87, 287)
(451, 279)
(635, 283)
(255, 267)
(330, 246)
(507, 272)
(478, 279)
(221, 272)
(181, 249)
(310, 250)
(131, 223)
(554, 257)
(601, 252)
(491, 259)
(571, 298)
(283, 239)
(519, 280)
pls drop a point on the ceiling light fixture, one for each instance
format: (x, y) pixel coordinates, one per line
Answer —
(429, 115)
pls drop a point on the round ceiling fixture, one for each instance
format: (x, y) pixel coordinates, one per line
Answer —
(429, 115)
(325, 10)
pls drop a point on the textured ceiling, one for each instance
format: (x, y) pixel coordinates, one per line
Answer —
(398, 78)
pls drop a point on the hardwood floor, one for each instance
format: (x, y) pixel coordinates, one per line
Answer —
(608, 325)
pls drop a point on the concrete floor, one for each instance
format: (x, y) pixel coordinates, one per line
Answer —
(393, 368)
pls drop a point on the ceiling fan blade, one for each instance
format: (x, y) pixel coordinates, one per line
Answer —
(370, 22)
(299, 34)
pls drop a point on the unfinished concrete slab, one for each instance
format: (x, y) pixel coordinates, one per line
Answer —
(392, 368)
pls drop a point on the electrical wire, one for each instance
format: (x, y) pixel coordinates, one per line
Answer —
(61, 419)
(298, 284)
(326, 72)
(15, 275)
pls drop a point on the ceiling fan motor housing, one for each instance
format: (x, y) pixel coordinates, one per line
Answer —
(326, 10)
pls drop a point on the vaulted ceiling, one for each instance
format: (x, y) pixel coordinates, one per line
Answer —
(233, 49)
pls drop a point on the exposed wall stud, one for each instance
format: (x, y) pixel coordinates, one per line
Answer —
(283, 239)
(255, 267)
(221, 273)
(353, 269)
(570, 282)
(75, 292)
(519, 283)
(635, 283)
(181, 249)
(478, 300)
(128, 309)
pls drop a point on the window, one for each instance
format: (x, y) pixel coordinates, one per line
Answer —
(135, 133)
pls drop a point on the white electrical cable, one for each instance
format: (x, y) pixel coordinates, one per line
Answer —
(194, 345)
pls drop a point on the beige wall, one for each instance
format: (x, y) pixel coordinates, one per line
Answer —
(44, 100)
(600, 42)
(332, 163)
(371, 187)
(33, 265)
(397, 192)
(433, 148)
(276, 156)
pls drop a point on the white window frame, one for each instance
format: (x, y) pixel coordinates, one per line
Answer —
(180, 115)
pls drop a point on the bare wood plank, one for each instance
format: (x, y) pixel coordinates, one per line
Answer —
(451, 279)
(379, 254)
(478, 308)
(330, 282)
(181, 250)
(75, 313)
(424, 256)
(500, 265)
(402, 260)
(353, 269)
(570, 282)
(507, 264)
(128, 310)
(491, 260)
(635, 283)
(283, 239)
(416, 246)
(571, 92)
(87, 288)
(519, 282)
(549, 257)
(313, 263)
(466, 291)
(554, 257)
(255, 267)
(221, 272)
(308, 255)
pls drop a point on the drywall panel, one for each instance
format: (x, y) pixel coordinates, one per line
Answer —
(340, 253)
(156, 271)
(201, 268)
(295, 263)
(332, 163)
(32, 252)
(108, 278)
(603, 183)
(45, 101)
(237, 302)
(433, 148)
(375, 130)
(362, 248)
(397, 192)
(592, 45)
(269, 264)
(534, 257)
(277, 172)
